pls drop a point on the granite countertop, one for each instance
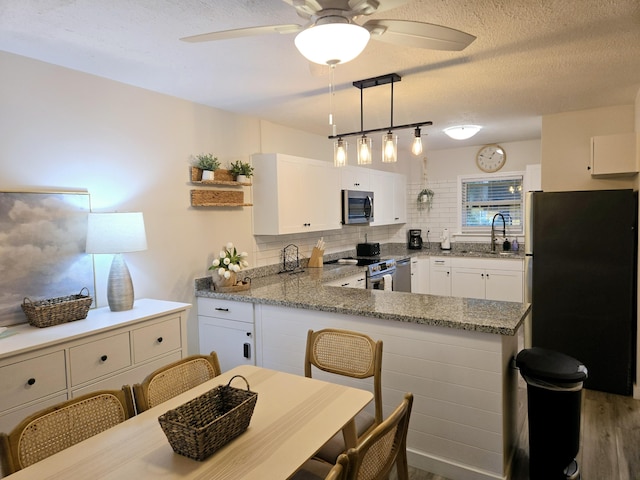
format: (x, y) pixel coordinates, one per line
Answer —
(307, 290)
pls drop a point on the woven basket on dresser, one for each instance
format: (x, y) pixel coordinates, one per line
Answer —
(55, 311)
(208, 422)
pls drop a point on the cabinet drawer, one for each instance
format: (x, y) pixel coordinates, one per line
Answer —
(214, 307)
(157, 339)
(101, 357)
(25, 381)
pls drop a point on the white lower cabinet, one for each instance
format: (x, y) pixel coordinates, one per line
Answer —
(352, 281)
(227, 327)
(40, 367)
(488, 279)
(420, 275)
(440, 276)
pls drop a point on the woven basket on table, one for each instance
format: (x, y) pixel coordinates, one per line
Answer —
(208, 422)
(54, 311)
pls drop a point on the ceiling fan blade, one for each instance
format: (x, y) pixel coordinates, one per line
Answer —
(243, 32)
(418, 34)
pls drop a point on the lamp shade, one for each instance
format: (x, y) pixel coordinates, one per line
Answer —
(462, 132)
(116, 233)
(332, 43)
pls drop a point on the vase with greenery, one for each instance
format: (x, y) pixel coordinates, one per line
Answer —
(242, 171)
(209, 164)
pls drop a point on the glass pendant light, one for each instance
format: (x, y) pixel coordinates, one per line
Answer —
(416, 146)
(364, 150)
(340, 153)
(389, 148)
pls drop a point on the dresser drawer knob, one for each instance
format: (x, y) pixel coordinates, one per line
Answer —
(160, 339)
(103, 358)
(222, 309)
(31, 381)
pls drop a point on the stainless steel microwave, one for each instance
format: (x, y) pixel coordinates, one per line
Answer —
(357, 207)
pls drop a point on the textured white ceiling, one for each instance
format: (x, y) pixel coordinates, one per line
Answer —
(531, 58)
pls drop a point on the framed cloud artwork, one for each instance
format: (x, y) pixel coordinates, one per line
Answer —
(42, 249)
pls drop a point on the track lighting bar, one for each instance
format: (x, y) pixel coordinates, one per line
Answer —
(385, 129)
(374, 82)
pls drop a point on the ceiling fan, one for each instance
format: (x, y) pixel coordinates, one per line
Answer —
(331, 34)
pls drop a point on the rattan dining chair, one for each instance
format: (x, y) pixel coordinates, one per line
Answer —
(386, 445)
(63, 425)
(315, 469)
(174, 379)
(351, 354)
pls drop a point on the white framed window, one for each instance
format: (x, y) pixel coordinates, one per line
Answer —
(482, 197)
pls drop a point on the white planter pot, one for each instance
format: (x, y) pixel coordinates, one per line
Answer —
(242, 179)
(207, 175)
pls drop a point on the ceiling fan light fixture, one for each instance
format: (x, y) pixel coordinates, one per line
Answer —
(462, 132)
(332, 43)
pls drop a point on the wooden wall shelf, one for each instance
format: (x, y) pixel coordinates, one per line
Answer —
(222, 177)
(218, 198)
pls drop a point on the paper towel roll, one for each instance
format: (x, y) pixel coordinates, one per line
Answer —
(388, 282)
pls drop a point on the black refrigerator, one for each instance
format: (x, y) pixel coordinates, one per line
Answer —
(582, 252)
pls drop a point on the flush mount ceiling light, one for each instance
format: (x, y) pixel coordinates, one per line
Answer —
(462, 132)
(332, 40)
(390, 141)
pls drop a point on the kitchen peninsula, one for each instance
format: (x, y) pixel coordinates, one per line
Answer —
(454, 354)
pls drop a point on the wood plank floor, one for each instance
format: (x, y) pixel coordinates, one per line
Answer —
(609, 441)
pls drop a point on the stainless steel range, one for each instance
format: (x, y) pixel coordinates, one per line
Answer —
(376, 273)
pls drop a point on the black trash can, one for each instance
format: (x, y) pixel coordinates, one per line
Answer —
(554, 390)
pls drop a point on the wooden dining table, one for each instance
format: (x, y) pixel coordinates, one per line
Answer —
(293, 417)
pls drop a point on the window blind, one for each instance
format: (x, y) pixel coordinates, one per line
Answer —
(483, 198)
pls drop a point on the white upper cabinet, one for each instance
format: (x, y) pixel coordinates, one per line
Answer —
(355, 178)
(390, 197)
(615, 154)
(294, 195)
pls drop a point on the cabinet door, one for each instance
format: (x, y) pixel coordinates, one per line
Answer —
(614, 154)
(420, 275)
(233, 341)
(355, 178)
(467, 282)
(320, 197)
(382, 187)
(439, 278)
(294, 195)
(399, 198)
(504, 285)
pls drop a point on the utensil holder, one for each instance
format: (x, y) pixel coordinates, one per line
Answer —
(316, 258)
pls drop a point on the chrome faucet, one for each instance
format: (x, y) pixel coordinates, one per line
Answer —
(493, 236)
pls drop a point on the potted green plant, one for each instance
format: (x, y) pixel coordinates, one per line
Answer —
(209, 164)
(425, 198)
(241, 171)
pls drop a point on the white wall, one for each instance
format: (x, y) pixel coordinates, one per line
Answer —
(130, 149)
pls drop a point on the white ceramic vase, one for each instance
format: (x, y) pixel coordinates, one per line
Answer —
(207, 175)
(242, 179)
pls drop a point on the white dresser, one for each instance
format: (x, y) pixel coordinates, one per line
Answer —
(40, 367)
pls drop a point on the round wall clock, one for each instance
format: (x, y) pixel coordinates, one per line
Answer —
(491, 158)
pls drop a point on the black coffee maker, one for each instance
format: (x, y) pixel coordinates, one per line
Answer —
(415, 240)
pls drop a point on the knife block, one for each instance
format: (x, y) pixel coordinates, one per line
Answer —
(316, 258)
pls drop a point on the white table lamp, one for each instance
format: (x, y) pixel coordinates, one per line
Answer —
(117, 233)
